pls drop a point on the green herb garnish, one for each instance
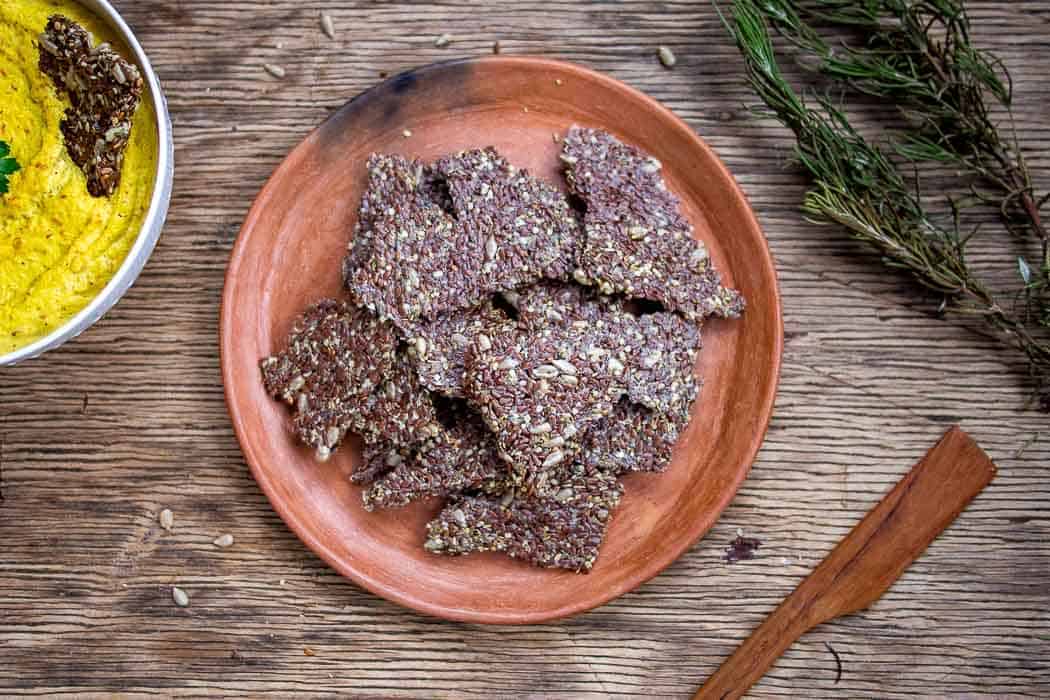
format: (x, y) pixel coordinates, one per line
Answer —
(8, 165)
(918, 55)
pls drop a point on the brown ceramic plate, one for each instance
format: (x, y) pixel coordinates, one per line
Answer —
(288, 255)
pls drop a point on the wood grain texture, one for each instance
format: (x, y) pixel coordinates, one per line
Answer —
(98, 437)
(866, 562)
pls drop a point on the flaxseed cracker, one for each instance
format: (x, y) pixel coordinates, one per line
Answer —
(563, 528)
(634, 439)
(377, 458)
(460, 458)
(526, 226)
(400, 410)
(103, 89)
(636, 240)
(438, 347)
(661, 373)
(539, 390)
(411, 259)
(336, 356)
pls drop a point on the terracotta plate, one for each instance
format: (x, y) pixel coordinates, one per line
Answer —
(288, 254)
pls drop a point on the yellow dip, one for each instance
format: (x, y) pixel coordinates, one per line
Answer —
(59, 246)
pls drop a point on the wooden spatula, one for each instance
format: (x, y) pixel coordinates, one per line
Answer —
(867, 562)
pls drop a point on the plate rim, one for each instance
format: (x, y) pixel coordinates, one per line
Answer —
(361, 577)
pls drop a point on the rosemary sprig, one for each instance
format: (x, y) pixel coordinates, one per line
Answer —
(855, 183)
(919, 55)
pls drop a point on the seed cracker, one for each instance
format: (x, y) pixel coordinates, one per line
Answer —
(103, 89)
(636, 240)
(552, 302)
(526, 225)
(461, 458)
(563, 528)
(539, 390)
(336, 356)
(661, 374)
(438, 347)
(411, 259)
(634, 439)
(377, 458)
(400, 410)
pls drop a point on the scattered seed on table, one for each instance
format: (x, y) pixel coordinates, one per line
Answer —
(495, 47)
(167, 519)
(327, 25)
(180, 597)
(274, 70)
(667, 57)
(557, 81)
(307, 651)
(223, 540)
(443, 41)
(406, 133)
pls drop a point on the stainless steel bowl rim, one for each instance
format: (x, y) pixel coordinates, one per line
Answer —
(151, 225)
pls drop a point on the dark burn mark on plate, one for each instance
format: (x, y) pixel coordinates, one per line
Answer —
(393, 103)
(403, 82)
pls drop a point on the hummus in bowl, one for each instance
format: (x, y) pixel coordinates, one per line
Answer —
(65, 256)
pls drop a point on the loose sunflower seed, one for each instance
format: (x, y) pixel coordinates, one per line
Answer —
(615, 366)
(540, 428)
(167, 519)
(223, 540)
(490, 248)
(180, 597)
(508, 363)
(564, 495)
(483, 342)
(323, 453)
(581, 277)
(421, 346)
(327, 25)
(460, 517)
(275, 70)
(569, 380)
(443, 41)
(667, 57)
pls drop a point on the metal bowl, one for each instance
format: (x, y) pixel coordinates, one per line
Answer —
(151, 225)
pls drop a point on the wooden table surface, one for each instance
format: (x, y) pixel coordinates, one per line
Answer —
(97, 437)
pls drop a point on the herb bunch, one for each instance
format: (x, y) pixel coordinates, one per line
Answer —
(8, 166)
(918, 54)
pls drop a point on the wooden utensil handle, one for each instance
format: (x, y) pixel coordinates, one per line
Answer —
(757, 654)
(868, 560)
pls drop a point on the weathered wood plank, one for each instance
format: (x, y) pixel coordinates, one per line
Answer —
(869, 382)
